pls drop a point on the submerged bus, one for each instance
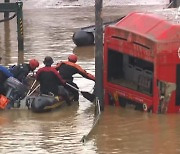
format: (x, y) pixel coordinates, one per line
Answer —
(142, 63)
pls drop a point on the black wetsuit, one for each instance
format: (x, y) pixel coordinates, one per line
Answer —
(49, 80)
(67, 70)
(20, 72)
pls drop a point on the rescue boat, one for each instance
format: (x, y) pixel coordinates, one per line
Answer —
(37, 102)
(46, 103)
(85, 36)
(18, 96)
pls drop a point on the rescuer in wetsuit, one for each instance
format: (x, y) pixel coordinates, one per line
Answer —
(68, 68)
(4, 74)
(21, 71)
(50, 79)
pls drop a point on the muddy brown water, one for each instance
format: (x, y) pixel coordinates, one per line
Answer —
(119, 130)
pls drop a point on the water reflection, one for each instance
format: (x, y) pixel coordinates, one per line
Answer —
(56, 132)
(85, 53)
(7, 42)
(129, 131)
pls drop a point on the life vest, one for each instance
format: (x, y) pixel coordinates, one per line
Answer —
(79, 68)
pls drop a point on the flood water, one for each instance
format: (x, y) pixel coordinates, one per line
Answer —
(119, 130)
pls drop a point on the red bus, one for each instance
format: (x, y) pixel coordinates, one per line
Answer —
(142, 63)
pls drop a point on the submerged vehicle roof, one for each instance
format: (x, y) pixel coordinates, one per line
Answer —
(162, 25)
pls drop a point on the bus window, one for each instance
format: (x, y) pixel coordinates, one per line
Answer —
(130, 72)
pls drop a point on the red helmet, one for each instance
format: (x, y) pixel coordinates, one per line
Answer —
(33, 63)
(72, 58)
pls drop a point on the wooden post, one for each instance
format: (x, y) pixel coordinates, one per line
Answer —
(6, 14)
(99, 53)
(7, 39)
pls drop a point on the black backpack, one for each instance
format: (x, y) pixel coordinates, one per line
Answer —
(18, 70)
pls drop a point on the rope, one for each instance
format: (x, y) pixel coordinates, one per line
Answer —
(7, 19)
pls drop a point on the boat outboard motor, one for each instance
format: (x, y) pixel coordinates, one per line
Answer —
(15, 91)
